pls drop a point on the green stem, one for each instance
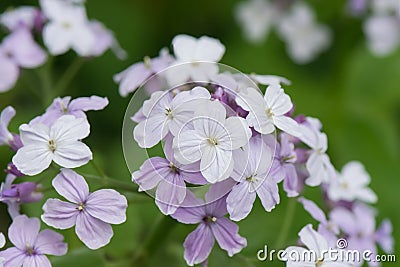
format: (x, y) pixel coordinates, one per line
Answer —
(154, 241)
(44, 74)
(98, 169)
(287, 223)
(113, 183)
(68, 75)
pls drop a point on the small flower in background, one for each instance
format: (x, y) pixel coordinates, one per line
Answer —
(24, 16)
(64, 106)
(251, 171)
(31, 246)
(212, 225)
(268, 112)
(133, 77)
(305, 39)
(295, 24)
(69, 28)
(200, 56)
(18, 50)
(91, 213)
(16, 194)
(382, 27)
(352, 184)
(211, 140)
(7, 138)
(60, 143)
(257, 17)
(358, 223)
(317, 247)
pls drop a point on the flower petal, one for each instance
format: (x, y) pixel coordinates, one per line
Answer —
(170, 193)
(228, 238)
(313, 240)
(107, 205)
(93, 232)
(72, 154)
(51, 243)
(287, 125)
(191, 211)
(151, 173)
(9, 73)
(151, 131)
(268, 193)
(23, 231)
(72, 186)
(68, 128)
(240, 201)
(13, 257)
(59, 214)
(37, 261)
(198, 245)
(32, 159)
(88, 103)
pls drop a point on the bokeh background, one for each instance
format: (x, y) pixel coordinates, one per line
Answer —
(355, 94)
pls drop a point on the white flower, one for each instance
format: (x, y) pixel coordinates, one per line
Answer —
(59, 143)
(318, 164)
(21, 16)
(304, 38)
(211, 138)
(256, 17)
(165, 113)
(201, 53)
(67, 28)
(383, 34)
(269, 111)
(315, 255)
(352, 184)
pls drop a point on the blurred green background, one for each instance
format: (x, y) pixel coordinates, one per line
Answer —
(355, 94)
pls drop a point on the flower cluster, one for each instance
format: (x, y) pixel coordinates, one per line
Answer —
(235, 137)
(295, 24)
(55, 136)
(62, 25)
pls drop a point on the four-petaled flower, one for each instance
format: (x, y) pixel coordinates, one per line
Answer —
(59, 143)
(92, 213)
(211, 138)
(212, 225)
(31, 246)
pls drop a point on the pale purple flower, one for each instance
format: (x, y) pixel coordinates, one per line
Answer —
(352, 184)
(23, 16)
(104, 39)
(15, 194)
(327, 228)
(67, 27)
(212, 225)
(7, 138)
(318, 164)
(359, 226)
(64, 106)
(383, 236)
(268, 112)
(200, 56)
(166, 112)
(169, 177)
(31, 246)
(17, 50)
(91, 213)
(133, 77)
(257, 17)
(283, 167)
(317, 247)
(251, 169)
(305, 38)
(210, 139)
(60, 143)
(357, 7)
